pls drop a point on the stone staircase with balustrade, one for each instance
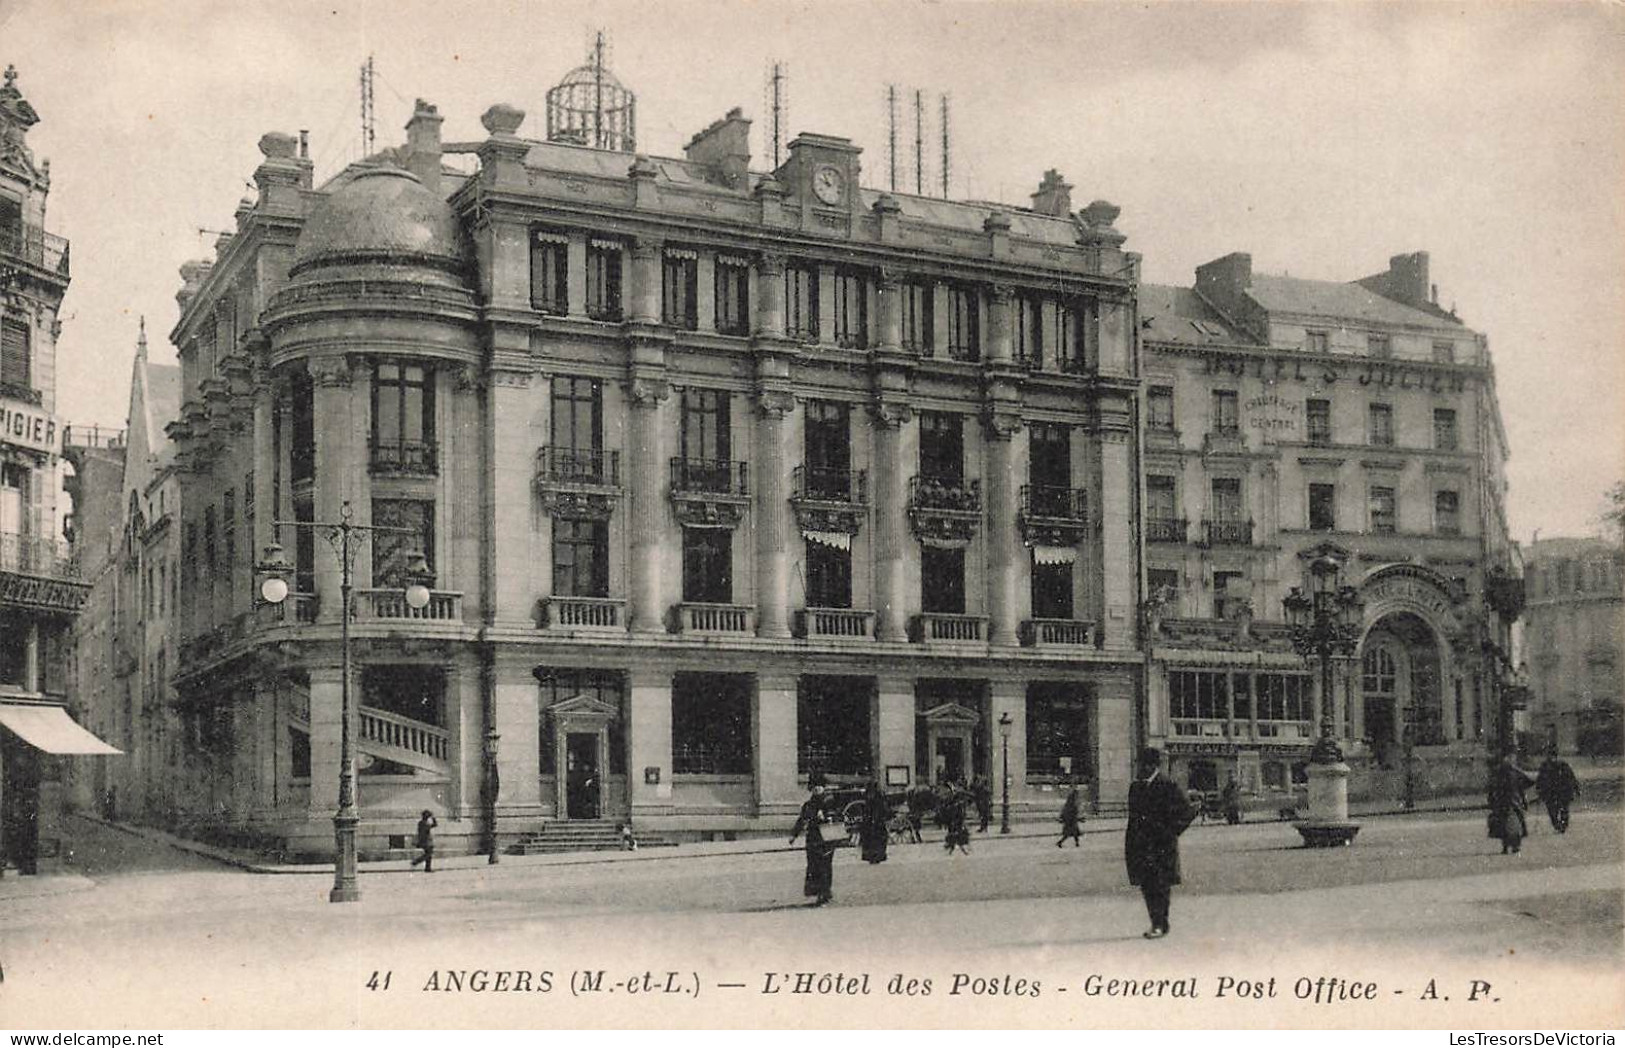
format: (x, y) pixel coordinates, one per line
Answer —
(404, 740)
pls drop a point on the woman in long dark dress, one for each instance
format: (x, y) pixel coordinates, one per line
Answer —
(820, 855)
(1071, 820)
(1508, 806)
(954, 820)
(872, 832)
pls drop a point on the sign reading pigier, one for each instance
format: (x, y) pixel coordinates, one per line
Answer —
(26, 426)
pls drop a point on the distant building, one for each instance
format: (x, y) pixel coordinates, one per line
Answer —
(726, 478)
(1573, 631)
(41, 590)
(1287, 417)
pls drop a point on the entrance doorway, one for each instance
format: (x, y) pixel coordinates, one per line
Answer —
(19, 803)
(582, 779)
(950, 758)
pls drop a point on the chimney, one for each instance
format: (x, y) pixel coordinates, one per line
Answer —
(1224, 281)
(423, 145)
(1054, 196)
(1408, 278)
(723, 149)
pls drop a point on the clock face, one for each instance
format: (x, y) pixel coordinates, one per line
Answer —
(827, 185)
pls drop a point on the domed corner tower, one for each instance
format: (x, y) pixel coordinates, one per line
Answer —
(590, 107)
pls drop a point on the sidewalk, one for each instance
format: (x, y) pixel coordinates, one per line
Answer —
(709, 849)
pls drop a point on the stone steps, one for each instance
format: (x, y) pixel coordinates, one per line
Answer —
(580, 836)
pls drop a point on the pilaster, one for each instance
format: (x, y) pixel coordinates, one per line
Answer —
(891, 527)
(326, 701)
(643, 300)
(1118, 522)
(1008, 697)
(894, 723)
(648, 740)
(337, 469)
(772, 525)
(518, 721)
(509, 455)
(773, 729)
(645, 395)
(770, 296)
(1002, 541)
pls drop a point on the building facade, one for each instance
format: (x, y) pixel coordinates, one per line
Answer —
(725, 479)
(1573, 627)
(41, 590)
(1286, 419)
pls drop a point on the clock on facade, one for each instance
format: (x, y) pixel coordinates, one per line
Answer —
(828, 184)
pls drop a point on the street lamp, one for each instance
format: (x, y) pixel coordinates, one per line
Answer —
(346, 537)
(1326, 624)
(1004, 737)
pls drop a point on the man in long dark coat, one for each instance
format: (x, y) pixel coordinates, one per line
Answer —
(1157, 814)
(1508, 806)
(819, 883)
(873, 831)
(1557, 786)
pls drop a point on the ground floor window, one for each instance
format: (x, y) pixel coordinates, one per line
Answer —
(832, 725)
(1058, 729)
(1282, 698)
(710, 724)
(1198, 695)
(558, 684)
(1202, 775)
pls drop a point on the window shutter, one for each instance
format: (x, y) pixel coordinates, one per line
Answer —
(15, 363)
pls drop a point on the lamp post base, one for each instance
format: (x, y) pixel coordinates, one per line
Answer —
(346, 887)
(1326, 834)
(1328, 822)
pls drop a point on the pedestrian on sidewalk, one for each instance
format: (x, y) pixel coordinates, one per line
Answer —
(982, 790)
(628, 841)
(1071, 820)
(920, 801)
(1158, 813)
(818, 884)
(1557, 786)
(1230, 800)
(953, 817)
(872, 831)
(1508, 806)
(425, 840)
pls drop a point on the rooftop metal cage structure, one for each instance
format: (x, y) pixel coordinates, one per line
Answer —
(590, 107)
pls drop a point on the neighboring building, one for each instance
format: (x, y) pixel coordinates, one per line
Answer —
(40, 588)
(1285, 417)
(724, 477)
(1573, 629)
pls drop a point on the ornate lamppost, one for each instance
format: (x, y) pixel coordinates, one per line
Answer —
(1004, 737)
(346, 538)
(1326, 624)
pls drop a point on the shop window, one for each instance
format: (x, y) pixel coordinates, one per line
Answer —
(549, 273)
(832, 725)
(732, 296)
(710, 724)
(707, 565)
(1058, 729)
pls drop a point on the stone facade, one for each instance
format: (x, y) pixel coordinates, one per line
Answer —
(1573, 627)
(1283, 415)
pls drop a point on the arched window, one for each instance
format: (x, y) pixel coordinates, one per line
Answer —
(1381, 675)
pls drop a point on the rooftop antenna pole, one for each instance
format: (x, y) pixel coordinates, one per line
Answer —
(368, 124)
(598, 90)
(779, 104)
(945, 154)
(919, 142)
(891, 133)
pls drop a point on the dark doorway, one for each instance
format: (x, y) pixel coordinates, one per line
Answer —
(19, 803)
(581, 785)
(950, 762)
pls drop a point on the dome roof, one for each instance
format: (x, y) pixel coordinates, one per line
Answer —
(381, 212)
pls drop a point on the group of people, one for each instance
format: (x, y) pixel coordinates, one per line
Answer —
(1509, 806)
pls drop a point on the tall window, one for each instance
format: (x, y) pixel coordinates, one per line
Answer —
(228, 536)
(1444, 429)
(942, 580)
(1379, 346)
(1323, 507)
(1066, 337)
(964, 324)
(1226, 412)
(1227, 499)
(16, 359)
(733, 295)
(391, 549)
(710, 724)
(1058, 729)
(1383, 520)
(706, 440)
(1444, 352)
(210, 558)
(1049, 469)
(1029, 310)
(918, 321)
(851, 309)
(577, 434)
(942, 447)
(11, 226)
(402, 414)
(680, 288)
(708, 565)
(1159, 403)
(1447, 513)
(1317, 341)
(549, 269)
(1226, 594)
(1051, 590)
(1160, 503)
(302, 419)
(604, 280)
(580, 558)
(1381, 425)
(832, 725)
(801, 302)
(829, 576)
(828, 448)
(1318, 421)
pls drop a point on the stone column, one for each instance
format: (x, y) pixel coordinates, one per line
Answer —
(509, 455)
(336, 468)
(264, 470)
(648, 739)
(31, 676)
(575, 276)
(646, 475)
(325, 724)
(773, 513)
(890, 523)
(889, 328)
(999, 328)
(773, 747)
(643, 303)
(1002, 541)
(826, 304)
(465, 745)
(770, 296)
(705, 291)
(893, 721)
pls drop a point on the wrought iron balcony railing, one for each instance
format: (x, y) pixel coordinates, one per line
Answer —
(405, 456)
(830, 485)
(1228, 532)
(561, 465)
(956, 493)
(1166, 529)
(31, 244)
(33, 555)
(709, 476)
(1044, 500)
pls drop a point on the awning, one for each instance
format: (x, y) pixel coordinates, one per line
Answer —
(49, 728)
(832, 539)
(1055, 554)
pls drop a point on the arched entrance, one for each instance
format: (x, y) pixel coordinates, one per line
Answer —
(1400, 686)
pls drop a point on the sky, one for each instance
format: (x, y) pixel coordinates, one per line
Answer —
(1320, 137)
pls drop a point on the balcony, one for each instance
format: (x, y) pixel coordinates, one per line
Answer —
(1057, 633)
(578, 483)
(944, 512)
(834, 624)
(600, 614)
(298, 608)
(709, 493)
(389, 605)
(941, 628)
(829, 500)
(716, 618)
(33, 245)
(34, 555)
(416, 458)
(1053, 516)
(1227, 533)
(1224, 440)
(1166, 529)
(26, 394)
